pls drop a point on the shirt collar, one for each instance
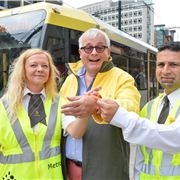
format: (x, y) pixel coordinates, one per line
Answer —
(82, 71)
(173, 97)
(26, 91)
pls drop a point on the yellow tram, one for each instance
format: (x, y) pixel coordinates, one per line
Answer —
(57, 28)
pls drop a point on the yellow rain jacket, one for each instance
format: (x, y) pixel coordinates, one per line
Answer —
(105, 153)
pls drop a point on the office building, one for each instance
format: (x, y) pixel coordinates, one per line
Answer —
(135, 17)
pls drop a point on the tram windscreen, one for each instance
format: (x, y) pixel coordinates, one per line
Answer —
(21, 30)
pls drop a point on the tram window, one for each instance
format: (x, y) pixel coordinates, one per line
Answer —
(1, 71)
(74, 53)
(153, 81)
(120, 61)
(74, 35)
(138, 71)
(56, 47)
(140, 78)
(55, 41)
(62, 43)
(74, 46)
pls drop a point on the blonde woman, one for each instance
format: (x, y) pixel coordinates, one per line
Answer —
(31, 149)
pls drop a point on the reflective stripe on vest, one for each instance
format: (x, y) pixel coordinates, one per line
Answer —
(159, 158)
(28, 155)
(143, 148)
(47, 151)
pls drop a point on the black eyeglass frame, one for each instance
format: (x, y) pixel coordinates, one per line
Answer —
(89, 49)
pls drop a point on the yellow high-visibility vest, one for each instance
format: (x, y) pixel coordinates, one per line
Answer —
(159, 165)
(27, 155)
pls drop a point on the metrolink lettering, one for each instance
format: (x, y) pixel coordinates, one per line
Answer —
(54, 165)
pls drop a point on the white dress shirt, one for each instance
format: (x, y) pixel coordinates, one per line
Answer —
(141, 131)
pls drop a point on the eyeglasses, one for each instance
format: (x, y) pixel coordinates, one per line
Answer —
(89, 49)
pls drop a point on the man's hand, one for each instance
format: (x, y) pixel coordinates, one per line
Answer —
(107, 108)
(94, 92)
(80, 106)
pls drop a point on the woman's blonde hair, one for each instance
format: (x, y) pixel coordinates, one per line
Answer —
(17, 80)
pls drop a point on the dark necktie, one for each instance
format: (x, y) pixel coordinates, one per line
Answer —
(36, 110)
(164, 112)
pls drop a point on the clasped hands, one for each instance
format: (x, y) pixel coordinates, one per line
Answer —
(90, 103)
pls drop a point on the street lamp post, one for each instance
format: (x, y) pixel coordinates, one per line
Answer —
(119, 14)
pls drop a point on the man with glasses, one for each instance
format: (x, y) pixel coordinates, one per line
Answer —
(102, 153)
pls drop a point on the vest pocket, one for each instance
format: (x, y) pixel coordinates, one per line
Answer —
(176, 159)
(3, 169)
